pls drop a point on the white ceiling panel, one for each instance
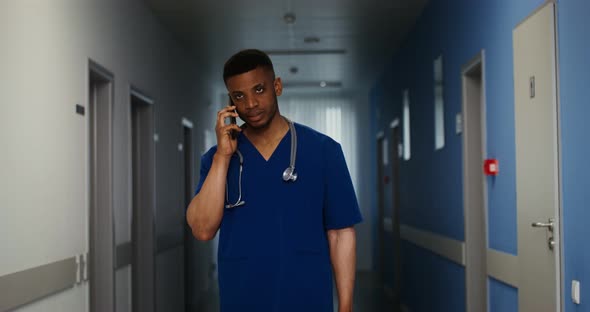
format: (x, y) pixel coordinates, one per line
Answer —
(366, 34)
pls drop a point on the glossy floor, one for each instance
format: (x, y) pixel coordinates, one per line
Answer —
(368, 297)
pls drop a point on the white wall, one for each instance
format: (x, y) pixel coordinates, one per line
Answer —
(44, 54)
(45, 47)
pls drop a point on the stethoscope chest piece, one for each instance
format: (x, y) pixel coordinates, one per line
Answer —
(289, 174)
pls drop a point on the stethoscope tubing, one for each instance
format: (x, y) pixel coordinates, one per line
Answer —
(288, 175)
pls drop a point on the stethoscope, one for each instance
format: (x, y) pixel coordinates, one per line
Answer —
(288, 175)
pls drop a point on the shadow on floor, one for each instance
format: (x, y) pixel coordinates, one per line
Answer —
(368, 297)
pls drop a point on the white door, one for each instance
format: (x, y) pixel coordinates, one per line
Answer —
(537, 167)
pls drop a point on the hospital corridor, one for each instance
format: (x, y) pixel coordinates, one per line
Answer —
(457, 148)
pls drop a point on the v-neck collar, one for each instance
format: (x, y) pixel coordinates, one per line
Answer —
(272, 155)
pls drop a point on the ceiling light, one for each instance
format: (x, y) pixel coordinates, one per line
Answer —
(305, 52)
(324, 84)
(289, 18)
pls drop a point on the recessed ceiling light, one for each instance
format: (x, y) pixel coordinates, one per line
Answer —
(289, 18)
(311, 39)
(306, 52)
(324, 84)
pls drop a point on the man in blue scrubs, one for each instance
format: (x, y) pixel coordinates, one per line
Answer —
(279, 249)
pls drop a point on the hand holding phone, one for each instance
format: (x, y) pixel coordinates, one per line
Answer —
(232, 119)
(227, 132)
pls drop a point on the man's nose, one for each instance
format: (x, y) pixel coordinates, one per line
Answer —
(251, 102)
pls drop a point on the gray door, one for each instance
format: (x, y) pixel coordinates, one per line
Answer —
(537, 167)
(143, 229)
(474, 184)
(394, 155)
(101, 256)
(380, 209)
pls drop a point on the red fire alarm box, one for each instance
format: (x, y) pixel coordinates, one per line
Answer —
(490, 167)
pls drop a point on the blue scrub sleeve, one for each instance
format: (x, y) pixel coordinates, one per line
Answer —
(206, 161)
(341, 207)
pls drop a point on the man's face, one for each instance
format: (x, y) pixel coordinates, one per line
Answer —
(254, 94)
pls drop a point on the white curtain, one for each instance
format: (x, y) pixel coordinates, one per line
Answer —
(332, 115)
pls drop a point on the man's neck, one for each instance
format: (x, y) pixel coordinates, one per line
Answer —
(276, 130)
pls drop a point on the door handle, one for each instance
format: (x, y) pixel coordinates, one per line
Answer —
(548, 225)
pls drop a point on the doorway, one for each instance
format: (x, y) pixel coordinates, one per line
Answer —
(381, 141)
(537, 161)
(143, 202)
(395, 158)
(474, 183)
(101, 237)
(190, 261)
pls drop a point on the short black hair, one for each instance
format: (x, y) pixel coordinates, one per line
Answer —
(245, 61)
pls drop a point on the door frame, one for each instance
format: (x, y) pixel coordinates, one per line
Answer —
(558, 235)
(101, 230)
(143, 276)
(396, 159)
(473, 251)
(187, 240)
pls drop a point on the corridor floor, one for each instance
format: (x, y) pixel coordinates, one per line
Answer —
(367, 297)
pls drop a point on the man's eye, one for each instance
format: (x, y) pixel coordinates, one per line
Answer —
(238, 97)
(259, 90)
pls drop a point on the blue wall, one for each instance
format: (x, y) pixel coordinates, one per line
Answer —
(431, 283)
(574, 50)
(432, 180)
(503, 297)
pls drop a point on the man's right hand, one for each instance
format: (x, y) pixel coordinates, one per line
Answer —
(226, 146)
(205, 211)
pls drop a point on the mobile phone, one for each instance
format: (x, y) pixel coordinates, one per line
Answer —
(232, 119)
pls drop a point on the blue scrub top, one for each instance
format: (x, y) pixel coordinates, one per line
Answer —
(273, 251)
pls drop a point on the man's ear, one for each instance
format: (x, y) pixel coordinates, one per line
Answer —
(278, 85)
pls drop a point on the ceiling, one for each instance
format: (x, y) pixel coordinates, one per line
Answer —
(356, 37)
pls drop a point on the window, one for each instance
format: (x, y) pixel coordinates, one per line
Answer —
(334, 123)
(406, 124)
(439, 110)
